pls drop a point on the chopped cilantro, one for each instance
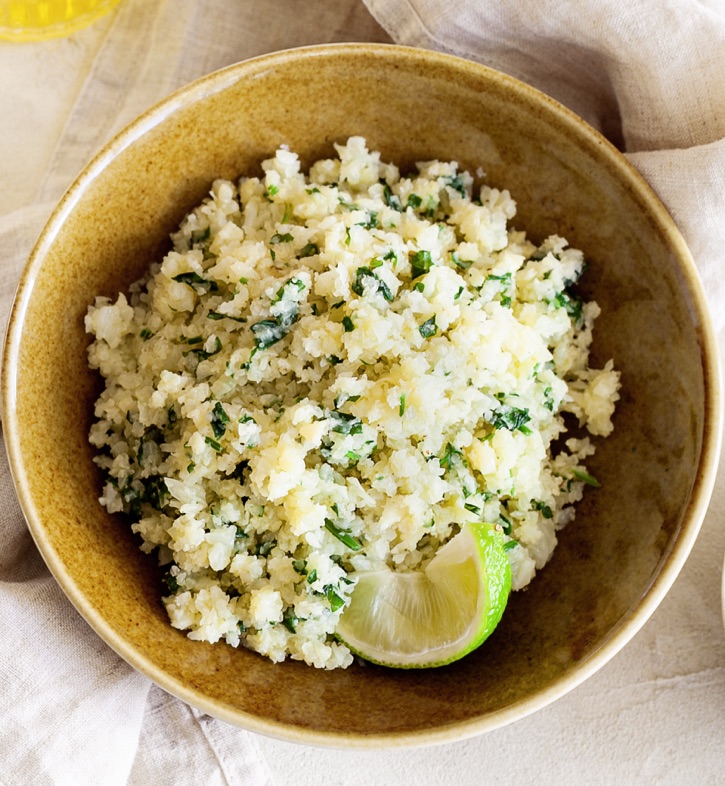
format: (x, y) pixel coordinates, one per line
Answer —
(216, 315)
(391, 199)
(191, 278)
(511, 418)
(202, 354)
(456, 183)
(146, 334)
(290, 620)
(268, 332)
(213, 444)
(348, 324)
(156, 492)
(219, 420)
(309, 250)
(281, 238)
(585, 477)
(429, 327)
(544, 508)
(449, 455)
(264, 548)
(463, 264)
(344, 537)
(335, 601)
(171, 583)
(420, 263)
(414, 201)
(345, 423)
(401, 407)
(365, 279)
(573, 306)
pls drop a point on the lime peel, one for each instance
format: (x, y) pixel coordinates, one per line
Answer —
(435, 616)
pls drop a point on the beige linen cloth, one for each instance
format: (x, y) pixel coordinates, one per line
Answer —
(650, 76)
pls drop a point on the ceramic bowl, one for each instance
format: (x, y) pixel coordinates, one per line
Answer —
(630, 538)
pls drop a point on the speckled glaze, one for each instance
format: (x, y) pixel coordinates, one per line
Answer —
(630, 538)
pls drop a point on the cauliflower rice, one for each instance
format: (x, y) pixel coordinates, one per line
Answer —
(331, 373)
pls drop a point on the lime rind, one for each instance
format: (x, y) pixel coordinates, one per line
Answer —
(433, 617)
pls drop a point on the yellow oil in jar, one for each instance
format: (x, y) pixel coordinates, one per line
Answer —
(35, 20)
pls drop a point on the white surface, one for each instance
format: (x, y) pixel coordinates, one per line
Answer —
(654, 714)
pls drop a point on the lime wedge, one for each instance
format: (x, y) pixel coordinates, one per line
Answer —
(432, 617)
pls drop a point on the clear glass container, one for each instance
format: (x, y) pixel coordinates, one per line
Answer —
(35, 20)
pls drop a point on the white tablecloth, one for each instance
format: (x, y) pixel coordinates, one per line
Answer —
(654, 714)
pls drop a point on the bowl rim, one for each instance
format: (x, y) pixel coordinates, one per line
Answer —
(671, 563)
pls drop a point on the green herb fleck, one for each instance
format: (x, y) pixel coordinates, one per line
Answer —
(191, 278)
(290, 620)
(219, 420)
(217, 315)
(348, 324)
(429, 327)
(344, 537)
(449, 456)
(202, 354)
(456, 183)
(156, 492)
(309, 250)
(401, 407)
(264, 548)
(420, 263)
(391, 199)
(345, 423)
(268, 332)
(365, 279)
(171, 583)
(544, 508)
(335, 601)
(213, 444)
(585, 477)
(573, 306)
(463, 264)
(281, 238)
(511, 418)
(146, 334)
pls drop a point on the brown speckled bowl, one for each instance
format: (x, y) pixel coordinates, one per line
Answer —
(630, 538)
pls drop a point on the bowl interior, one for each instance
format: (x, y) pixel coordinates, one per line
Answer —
(411, 106)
